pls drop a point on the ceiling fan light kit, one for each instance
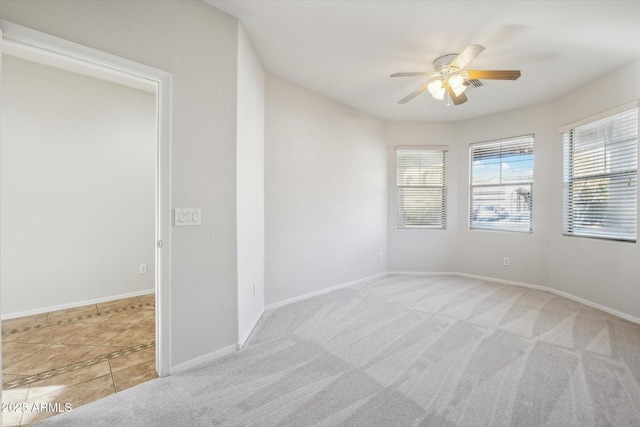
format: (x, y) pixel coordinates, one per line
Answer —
(449, 78)
(436, 89)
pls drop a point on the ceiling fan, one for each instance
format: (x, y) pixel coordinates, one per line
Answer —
(450, 78)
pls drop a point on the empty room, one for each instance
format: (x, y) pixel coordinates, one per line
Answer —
(78, 241)
(376, 213)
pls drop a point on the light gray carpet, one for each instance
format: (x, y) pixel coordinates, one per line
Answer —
(405, 351)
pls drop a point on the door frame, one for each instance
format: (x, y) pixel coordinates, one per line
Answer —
(46, 44)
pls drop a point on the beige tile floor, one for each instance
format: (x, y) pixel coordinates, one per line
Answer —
(57, 361)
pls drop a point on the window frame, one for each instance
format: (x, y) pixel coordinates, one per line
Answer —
(570, 227)
(401, 213)
(527, 142)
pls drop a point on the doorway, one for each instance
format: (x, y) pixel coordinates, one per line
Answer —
(154, 264)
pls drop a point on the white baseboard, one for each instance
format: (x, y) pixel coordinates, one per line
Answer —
(421, 273)
(76, 304)
(323, 291)
(504, 282)
(218, 353)
(243, 338)
(241, 341)
(470, 276)
(560, 293)
(185, 366)
(527, 285)
(232, 348)
(625, 316)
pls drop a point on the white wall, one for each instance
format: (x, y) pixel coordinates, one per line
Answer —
(198, 45)
(250, 199)
(78, 188)
(414, 249)
(325, 195)
(481, 252)
(458, 249)
(603, 272)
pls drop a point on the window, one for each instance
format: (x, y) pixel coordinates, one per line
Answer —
(501, 193)
(600, 173)
(421, 191)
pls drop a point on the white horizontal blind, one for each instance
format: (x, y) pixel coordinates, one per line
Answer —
(421, 190)
(600, 177)
(501, 190)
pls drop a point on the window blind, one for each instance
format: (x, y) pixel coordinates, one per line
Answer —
(501, 184)
(421, 188)
(600, 169)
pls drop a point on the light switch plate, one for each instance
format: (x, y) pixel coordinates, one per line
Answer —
(182, 217)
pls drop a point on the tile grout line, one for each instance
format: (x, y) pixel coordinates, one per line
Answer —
(113, 380)
(75, 319)
(82, 364)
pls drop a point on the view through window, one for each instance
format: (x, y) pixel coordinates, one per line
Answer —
(501, 190)
(600, 178)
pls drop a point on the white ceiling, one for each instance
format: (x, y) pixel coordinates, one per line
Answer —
(346, 50)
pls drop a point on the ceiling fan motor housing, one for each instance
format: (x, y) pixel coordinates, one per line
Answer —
(442, 63)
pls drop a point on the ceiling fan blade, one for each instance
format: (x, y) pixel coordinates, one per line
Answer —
(494, 74)
(419, 73)
(457, 100)
(412, 95)
(467, 55)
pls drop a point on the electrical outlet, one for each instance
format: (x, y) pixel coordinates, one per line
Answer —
(254, 289)
(380, 256)
(143, 269)
(506, 261)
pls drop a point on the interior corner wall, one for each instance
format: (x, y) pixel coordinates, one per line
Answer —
(325, 194)
(197, 44)
(78, 188)
(250, 176)
(602, 272)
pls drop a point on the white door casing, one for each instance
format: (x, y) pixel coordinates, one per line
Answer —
(44, 44)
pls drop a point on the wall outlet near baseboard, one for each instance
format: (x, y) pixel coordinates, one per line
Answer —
(254, 289)
(142, 269)
(506, 261)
